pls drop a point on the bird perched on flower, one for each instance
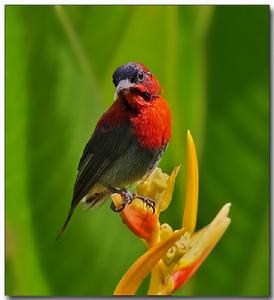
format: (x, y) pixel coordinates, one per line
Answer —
(127, 143)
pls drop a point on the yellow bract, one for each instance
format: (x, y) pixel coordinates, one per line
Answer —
(139, 270)
(167, 195)
(191, 201)
(154, 186)
(206, 237)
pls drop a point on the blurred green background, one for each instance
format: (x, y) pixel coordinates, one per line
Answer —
(213, 63)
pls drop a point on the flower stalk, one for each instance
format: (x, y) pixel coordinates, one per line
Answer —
(173, 256)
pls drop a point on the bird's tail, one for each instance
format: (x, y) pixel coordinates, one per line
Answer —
(66, 223)
(92, 202)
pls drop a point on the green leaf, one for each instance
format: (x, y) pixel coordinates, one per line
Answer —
(22, 259)
(235, 164)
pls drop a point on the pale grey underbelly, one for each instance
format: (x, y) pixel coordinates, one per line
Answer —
(132, 166)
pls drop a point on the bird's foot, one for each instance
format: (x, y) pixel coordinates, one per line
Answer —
(147, 201)
(128, 198)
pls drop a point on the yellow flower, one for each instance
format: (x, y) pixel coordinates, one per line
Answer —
(173, 256)
(141, 220)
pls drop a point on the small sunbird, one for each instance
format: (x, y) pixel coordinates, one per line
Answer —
(127, 143)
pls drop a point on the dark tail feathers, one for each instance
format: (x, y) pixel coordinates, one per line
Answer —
(66, 223)
(94, 201)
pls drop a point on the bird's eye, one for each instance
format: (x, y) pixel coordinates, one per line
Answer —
(141, 76)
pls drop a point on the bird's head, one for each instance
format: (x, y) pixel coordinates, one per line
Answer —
(135, 85)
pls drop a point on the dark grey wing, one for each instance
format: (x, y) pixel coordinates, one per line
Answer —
(103, 148)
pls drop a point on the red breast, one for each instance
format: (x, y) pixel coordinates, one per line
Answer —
(152, 126)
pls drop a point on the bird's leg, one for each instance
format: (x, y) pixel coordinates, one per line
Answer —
(127, 199)
(126, 196)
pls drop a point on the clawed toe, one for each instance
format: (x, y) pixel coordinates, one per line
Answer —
(148, 202)
(128, 198)
(116, 209)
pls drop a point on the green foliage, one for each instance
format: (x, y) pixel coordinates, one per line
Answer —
(213, 63)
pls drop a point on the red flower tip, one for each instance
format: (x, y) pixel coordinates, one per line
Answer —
(140, 219)
(180, 277)
(142, 222)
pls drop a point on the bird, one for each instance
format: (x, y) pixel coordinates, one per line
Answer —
(127, 143)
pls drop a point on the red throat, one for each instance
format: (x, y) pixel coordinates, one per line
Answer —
(152, 126)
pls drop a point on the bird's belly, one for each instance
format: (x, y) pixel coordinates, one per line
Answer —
(132, 166)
